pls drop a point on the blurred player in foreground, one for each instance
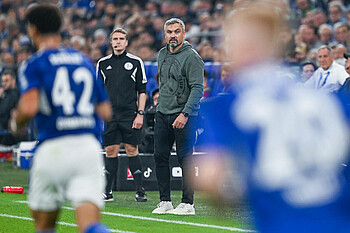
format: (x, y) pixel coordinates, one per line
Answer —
(285, 144)
(58, 88)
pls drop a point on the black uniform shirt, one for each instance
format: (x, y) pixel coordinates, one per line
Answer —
(124, 77)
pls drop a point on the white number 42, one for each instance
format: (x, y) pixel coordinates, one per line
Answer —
(62, 94)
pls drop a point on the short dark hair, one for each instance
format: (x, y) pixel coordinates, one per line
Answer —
(9, 72)
(307, 62)
(46, 17)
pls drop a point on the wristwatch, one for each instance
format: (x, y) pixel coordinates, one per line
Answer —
(185, 114)
(141, 112)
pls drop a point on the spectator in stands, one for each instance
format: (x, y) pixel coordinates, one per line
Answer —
(24, 41)
(152, 8)
(4, 45)
(146, 37)
(23, 54)
(308, 19)
(335, 12)
(345, 89)
(78, 42)
(146, 53)
(166, 9)
(338, 54)
(226, 70)
(219, 55)
(108, 21)
(308, 36)
(303, 6)
(206, 88)
(101, 41)
(301, 52)
(205, 51)
(3, 29)
(348, 17)
(341, 33)
(8, 60)
(193, 32)
(9, 96)
(157, 27)
(95, 54)
(13, 30)
(325, 33)
(319, 18)
(330, 76)
(307, 70)
(333, 46)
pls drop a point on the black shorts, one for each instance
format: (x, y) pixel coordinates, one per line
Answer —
(117, 132)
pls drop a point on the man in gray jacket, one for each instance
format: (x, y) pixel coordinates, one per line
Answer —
(181, 72)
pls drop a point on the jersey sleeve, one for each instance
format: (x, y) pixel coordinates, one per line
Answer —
(29, 76)
(194, 73)
(101, 93)
(141, 79)
(99, 74)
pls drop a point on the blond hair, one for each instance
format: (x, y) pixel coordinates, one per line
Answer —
(120, 30)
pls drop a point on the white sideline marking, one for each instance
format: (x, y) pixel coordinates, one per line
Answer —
(167, 221)
(178, 222)
(59, 223)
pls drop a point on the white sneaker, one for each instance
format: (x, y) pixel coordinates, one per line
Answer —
(163, 207)
(183, 209)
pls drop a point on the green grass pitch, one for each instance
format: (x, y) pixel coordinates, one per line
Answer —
(124, 214)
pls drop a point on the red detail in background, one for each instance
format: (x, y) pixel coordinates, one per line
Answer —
(128, 174)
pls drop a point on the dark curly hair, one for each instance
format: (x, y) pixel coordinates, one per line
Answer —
(46, 17)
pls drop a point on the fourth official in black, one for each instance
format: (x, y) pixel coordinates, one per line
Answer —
(124, 77)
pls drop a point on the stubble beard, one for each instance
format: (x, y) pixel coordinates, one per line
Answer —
(174, 46)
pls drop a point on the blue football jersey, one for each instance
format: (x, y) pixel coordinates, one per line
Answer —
(68, 91)
(293, 142)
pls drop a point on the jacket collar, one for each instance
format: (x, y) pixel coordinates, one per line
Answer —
(121, 55)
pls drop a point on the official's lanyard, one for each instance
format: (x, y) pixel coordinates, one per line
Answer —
(324, 81)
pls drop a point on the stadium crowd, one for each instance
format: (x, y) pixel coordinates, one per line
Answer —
(88, 23)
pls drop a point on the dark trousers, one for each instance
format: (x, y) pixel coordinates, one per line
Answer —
(164, 137)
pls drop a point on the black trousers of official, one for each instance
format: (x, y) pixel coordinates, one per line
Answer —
(164, 137)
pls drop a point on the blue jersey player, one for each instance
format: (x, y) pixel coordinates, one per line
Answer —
(58, 88)
(287, 144)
